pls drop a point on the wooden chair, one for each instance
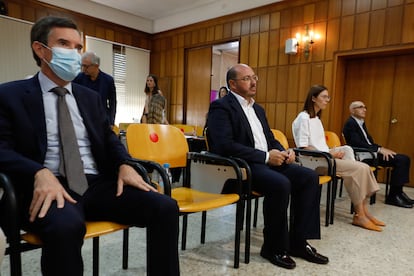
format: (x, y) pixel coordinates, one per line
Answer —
(315, 160)
(204, 174)
(20, 241)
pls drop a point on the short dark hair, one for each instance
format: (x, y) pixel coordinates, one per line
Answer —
(314, 91)
(41, 30)
(231, 75)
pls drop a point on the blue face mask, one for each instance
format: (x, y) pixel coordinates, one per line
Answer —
(65, 63)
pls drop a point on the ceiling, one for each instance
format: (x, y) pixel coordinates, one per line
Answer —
(153, 16)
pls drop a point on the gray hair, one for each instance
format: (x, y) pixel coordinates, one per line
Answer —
(93, 57)
(354, 104)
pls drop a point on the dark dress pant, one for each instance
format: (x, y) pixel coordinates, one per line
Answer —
(278, 185)
(62, 229)
(400, 173)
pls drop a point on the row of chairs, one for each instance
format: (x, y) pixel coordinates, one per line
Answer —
(203, 177)
(152, 145)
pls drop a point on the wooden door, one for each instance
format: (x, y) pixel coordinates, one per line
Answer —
(197, 85)
(385, 85)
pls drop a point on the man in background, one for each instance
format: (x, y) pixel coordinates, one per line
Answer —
(356, 135)
(99, 81)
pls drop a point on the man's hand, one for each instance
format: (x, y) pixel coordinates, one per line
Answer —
(129, 176)
(291, 156)
(387, 153)
(47, 188)
(277, 158)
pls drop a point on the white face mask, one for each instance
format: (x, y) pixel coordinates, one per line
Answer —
(65, 63)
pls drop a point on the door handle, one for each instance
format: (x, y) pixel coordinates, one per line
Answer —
(394, 121)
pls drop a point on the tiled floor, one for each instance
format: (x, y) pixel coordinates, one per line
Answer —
(352, 250)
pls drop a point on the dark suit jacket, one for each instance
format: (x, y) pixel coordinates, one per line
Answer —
(23, 140)
(355, 137)
(105, 86)
(229, 132)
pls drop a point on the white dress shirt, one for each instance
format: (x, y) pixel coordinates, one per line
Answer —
(53, 144)
(260, 141)
(360, 123)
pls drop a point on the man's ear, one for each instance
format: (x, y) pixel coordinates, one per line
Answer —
(39, 49)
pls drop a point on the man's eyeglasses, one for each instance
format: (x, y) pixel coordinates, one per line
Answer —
(249, 78)
(86, 66)
(360, 106)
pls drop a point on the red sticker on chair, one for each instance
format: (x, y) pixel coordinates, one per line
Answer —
(153, 137)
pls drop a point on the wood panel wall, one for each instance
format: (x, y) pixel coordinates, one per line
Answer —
(31, 10)
(345, 26)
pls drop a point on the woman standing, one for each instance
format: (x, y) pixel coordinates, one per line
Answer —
(359, 180)
(223, 91)
(155, 103)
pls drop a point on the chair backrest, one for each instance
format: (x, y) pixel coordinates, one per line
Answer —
(186, 129)
(158, 143)
(281, 137)
(332, 139)
(115, 129)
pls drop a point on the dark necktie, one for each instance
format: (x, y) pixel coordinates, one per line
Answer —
(70, 165)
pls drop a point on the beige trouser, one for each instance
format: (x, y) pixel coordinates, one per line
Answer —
(359, 180)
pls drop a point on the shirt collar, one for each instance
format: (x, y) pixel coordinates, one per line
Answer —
(359, 121)
(243, 102)
(46, 84)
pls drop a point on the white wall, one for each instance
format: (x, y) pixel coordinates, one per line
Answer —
(16, 59)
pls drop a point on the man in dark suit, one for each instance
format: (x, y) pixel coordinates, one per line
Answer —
(30, 153)
(92, 77)
(238, 127)
(356, 135)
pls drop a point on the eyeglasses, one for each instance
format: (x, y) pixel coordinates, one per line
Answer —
(360, 106)
(249, 78)
(325, 97)
(86, 66)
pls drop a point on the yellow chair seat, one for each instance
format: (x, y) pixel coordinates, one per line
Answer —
(191, 201)
(324, 179)
(93, 229)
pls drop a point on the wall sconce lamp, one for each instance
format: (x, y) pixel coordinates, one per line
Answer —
(302, 42)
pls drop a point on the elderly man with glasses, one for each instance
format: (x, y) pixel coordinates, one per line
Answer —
(357, 135)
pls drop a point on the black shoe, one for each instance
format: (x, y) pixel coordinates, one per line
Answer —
(282, 260)
(406, 198)
(397, 200)
(309, 253)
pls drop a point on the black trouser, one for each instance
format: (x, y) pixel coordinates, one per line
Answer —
(62, 229)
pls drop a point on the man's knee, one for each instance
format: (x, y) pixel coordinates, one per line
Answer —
(63, 224)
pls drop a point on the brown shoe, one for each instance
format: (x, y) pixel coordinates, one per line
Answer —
(365, 223)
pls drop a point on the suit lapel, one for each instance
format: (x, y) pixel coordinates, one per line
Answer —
(234, 103)
(33, 103)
